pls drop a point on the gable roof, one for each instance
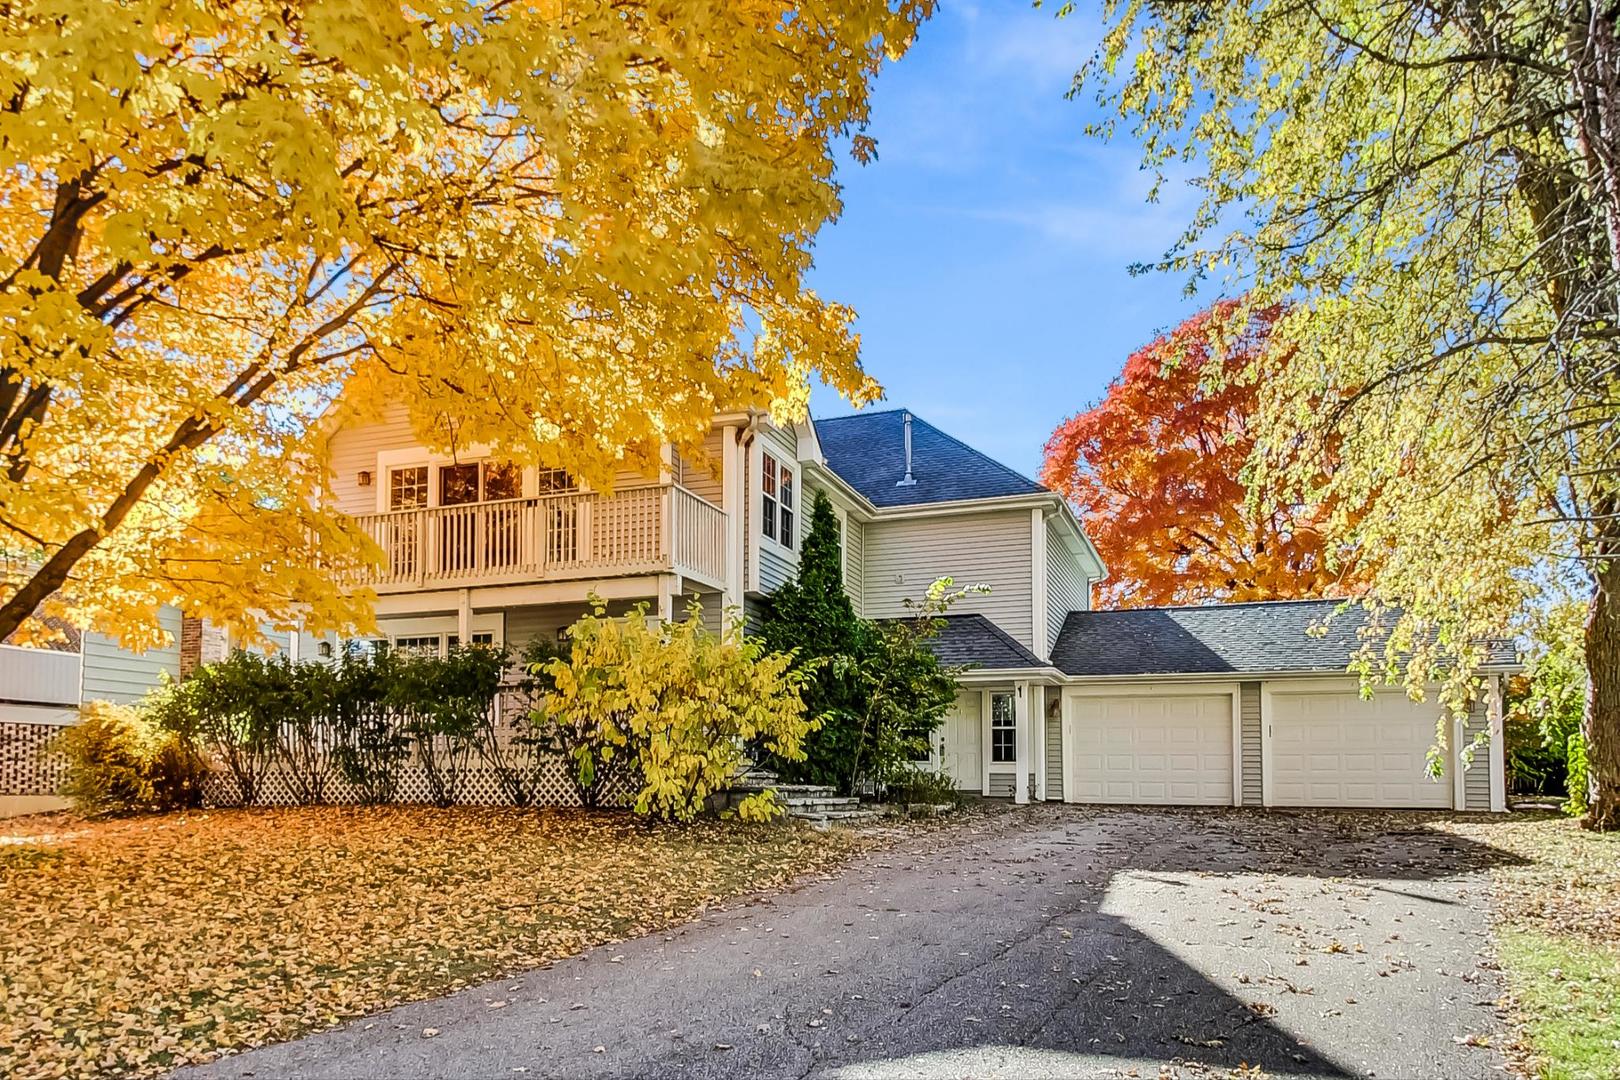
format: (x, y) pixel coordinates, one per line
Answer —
(1258, 638)
(974, 640)
(867, 451)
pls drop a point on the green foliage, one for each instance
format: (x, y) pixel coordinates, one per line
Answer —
(667, 710)
(368, 747)
(119, 762)
(445, 702)
(877, 687)
(811, 617)
(904, 691)
(358, 718)
(1544, 706)
(925, 786)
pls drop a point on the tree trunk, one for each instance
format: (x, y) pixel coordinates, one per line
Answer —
(1601, 725)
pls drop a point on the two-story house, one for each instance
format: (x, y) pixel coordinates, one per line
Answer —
(1243, 704)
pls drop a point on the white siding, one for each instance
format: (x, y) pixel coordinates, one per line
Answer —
(114, 673)
(354, 447)
(855, 564)
(1065, 584)
(902, 558)
(702, 477)
(1253, 754)
(1477, 777)
(777, 564)
(1054, 747)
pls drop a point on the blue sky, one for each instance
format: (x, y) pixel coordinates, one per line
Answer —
(986, 249)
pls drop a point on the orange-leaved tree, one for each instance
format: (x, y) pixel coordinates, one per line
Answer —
(1156, 472)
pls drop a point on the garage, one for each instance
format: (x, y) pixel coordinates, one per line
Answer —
(1330, 747)
(1152, 747)
(1251, 704)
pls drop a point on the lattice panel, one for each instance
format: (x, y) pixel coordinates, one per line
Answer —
(542, 772)
(478, 785)
(25, 766)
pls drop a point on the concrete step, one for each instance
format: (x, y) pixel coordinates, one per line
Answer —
(816, 806)
(840, 817)
(788, 791)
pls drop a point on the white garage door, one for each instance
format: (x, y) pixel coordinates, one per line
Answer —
(1335, 749)
(1174, 748)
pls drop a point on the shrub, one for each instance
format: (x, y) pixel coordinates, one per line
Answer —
(230, 711)
(1544, 705)
(925, 786)
(811, 616)
(446, 704)
(368, 747)
(119, 762)
(669, 708)
(876, 687)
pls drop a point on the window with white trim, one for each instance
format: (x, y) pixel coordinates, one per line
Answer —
(778, 495)
(1003, 729)
(408, 488)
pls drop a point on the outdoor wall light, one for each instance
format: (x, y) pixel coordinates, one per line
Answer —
(364, 479)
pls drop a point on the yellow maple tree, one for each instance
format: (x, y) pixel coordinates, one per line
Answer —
(569, 231)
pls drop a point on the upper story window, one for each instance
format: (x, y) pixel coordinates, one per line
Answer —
(453, 484)
(554, 482)
(776, 486)
(408, 488)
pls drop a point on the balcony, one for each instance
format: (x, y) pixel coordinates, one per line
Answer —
(643, 530)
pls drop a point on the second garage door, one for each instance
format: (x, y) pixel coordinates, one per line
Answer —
(1172, 748)
(1337, 749)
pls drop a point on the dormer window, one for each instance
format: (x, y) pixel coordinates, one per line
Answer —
(777, 490)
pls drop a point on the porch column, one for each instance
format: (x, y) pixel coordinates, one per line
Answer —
(731, 497)
(666, 598)
(1021, 742)
(464, 617)
(1037, 715)
(1496, 749)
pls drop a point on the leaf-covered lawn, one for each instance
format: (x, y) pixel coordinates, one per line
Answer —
(1557, 935)
(136, 945)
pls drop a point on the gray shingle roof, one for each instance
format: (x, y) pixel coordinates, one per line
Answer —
(1259, 638)
(867, 450)
(975, 640)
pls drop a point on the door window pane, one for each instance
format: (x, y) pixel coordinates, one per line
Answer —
(502, 480)
(458, 484)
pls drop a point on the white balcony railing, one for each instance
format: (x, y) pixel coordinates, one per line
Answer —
(555, 537)
(39, 676)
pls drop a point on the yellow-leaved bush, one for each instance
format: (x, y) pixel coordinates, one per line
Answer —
(120, 762)
(667, 710)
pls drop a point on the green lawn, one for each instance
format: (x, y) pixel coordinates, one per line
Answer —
(1568, 995)
(1557, 936)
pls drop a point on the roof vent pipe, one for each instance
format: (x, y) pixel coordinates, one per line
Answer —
(909, 480)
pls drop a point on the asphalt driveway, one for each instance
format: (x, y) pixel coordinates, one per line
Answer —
(1047, 941)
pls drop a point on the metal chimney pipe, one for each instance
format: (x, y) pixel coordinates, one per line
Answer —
(909, 479)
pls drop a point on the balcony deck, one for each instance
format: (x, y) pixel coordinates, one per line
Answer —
(643, 530)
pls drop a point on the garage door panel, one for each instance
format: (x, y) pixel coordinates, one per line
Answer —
(1171, 749)
(1336, 748)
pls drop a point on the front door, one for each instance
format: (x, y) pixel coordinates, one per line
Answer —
(958, 742)
(458, 530)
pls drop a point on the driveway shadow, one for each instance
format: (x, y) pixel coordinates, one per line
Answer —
(1046, 941)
